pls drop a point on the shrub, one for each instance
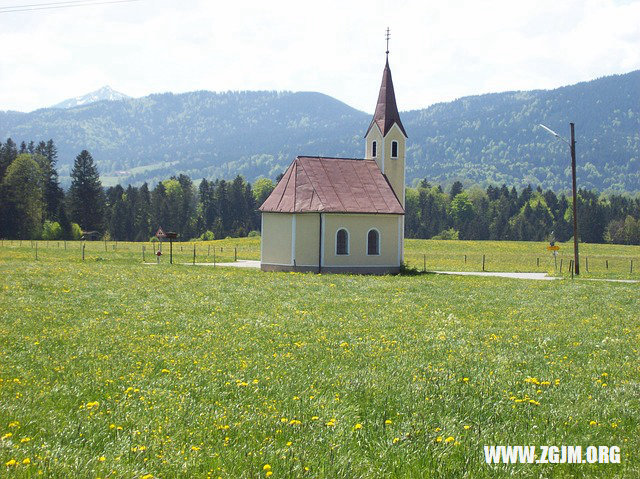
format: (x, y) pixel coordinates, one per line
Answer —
(253, 234)
(51, 230)
(76, 231)
(449, 234)
(207, 236)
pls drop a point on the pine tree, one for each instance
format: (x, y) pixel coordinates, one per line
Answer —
(86, 198)
(143, 214)
(46, 154)
(8, 153)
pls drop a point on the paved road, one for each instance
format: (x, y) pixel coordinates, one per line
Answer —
(241, 263)
(538, 276)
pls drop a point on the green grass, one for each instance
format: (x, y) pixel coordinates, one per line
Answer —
(177, 371)
(604, 261)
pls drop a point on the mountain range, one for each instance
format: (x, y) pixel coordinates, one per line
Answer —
(484, 139)
(104, 93)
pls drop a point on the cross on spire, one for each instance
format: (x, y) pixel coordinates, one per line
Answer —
(387, 36)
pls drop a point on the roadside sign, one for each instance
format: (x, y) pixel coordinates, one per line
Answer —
(160, 233)
(553, 248)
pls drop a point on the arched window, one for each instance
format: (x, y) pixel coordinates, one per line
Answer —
(374, 149)
(342, 242)
(394, 149)
(373, 242)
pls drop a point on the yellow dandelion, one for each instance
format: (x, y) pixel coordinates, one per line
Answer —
(7, 436)
(439, 439)
(266, 467)
(26, 461)
(357, 426)
(388, 421)
(195, 448)
(396, 440)
(268, 473)
(10, 462)
(593, 423)
(467, 427)
(102, 459)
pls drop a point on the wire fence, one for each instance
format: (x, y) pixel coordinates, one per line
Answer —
(446, 258)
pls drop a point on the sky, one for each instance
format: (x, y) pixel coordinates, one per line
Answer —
(439, 50)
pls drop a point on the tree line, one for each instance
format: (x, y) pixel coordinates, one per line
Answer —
(33, 206)
(502, 213)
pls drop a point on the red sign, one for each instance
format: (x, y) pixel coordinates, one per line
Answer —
(160, 233)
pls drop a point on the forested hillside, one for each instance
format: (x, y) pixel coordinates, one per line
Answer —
(487, 139)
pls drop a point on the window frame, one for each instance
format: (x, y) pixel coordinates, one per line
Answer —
(347, 248)
(394, 143)
(378, 242)
(374, 149)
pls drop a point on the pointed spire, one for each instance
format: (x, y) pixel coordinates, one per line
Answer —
(386, 113)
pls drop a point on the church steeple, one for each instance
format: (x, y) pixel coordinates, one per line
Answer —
(386, 138)
(386, 113)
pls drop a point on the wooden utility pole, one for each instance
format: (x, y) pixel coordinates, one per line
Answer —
(576, 260)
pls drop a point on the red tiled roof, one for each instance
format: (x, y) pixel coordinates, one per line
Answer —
(386, 113)
(332, 185)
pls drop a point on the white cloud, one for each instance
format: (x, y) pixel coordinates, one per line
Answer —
(439, 50)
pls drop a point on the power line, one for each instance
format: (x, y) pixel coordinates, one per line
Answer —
(57, 5)
(43, 4)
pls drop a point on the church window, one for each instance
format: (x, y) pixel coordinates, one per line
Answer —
(394, 149)
(373, 243)
(374, 149)
(342, 242)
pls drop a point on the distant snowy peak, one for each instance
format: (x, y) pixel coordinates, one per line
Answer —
(104, 93)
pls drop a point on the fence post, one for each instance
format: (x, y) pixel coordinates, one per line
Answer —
(465, 259)
(214, 257)
(143, 248)
(606, 263)
(538, 262)
(631, 268)
(561, 265)
(208, 251)
(194, 254)
(571, 268)
(36, 251)
(235, 253)
(586, 263)
(83, 251)
(482, 262)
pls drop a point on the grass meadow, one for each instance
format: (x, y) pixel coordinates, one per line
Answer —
(111, 368)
